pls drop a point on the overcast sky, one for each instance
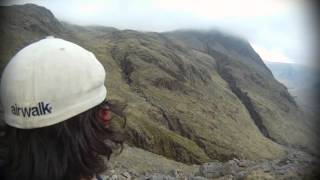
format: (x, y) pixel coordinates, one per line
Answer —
(279, 30)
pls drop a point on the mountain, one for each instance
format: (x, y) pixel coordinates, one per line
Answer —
(302, 82)
(191, 96)
(294, 75)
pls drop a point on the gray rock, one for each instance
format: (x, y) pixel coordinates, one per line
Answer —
(175, 173)
(197, 178)
(240, 175)
(227, 177)
(126, 175)
(114, 177)
(212, 170)
(158, 177)
(231, 167)
(244, 163)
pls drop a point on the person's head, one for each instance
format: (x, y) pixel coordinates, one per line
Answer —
(53, 99)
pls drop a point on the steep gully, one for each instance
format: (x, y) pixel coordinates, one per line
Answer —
(242, 96)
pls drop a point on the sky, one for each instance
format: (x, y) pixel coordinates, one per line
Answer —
(278, 30)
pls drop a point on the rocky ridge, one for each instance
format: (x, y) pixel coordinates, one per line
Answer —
(134, 164)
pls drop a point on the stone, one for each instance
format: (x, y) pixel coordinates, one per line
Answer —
(231, 167)
(126, 175)
(243, 163)
(197, 178)
(259, 174)
(227, 177)
(114, 177)
(161, 177)
(211, 170)
(175, 173)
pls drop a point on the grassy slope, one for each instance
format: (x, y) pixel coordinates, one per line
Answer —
(198, 104)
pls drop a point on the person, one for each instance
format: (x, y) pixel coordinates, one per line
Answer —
(53, 97)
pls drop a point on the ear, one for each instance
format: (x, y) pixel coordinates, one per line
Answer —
(104, 115)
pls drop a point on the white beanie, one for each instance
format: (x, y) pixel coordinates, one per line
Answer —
(50, 81)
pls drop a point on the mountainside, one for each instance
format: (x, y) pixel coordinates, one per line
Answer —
(187, 95)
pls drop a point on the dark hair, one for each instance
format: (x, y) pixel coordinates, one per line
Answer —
(72, 149)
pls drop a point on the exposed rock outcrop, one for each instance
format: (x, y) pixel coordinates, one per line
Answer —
(134, 163)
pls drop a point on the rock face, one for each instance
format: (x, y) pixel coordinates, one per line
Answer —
(189, 96)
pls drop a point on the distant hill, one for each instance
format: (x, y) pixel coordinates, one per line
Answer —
(302, 82)
(294, 75)
(191, 96)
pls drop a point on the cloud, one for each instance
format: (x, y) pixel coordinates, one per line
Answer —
(275, 25)
(272, 55)
(213, 9)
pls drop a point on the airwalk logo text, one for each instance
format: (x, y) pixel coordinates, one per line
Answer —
(39, 110)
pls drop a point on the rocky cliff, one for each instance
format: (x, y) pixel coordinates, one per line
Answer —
(190, 96)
